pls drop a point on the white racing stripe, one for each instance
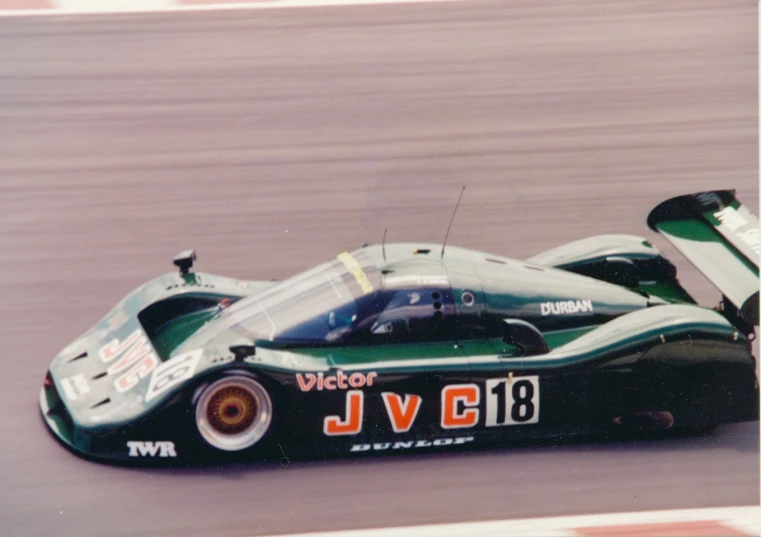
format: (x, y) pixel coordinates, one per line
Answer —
(109, 7)
(743, 520)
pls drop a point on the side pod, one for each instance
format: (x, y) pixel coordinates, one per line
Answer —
(525, 336)
(643, 329)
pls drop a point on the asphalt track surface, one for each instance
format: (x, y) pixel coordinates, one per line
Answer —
(272, 140)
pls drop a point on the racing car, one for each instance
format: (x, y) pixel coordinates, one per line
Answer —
(397, 347)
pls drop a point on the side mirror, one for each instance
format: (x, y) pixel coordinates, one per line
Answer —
(525, 336)
(184, 261)
(242, 349)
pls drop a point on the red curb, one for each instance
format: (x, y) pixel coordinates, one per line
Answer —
(25, 4)
(703, 528)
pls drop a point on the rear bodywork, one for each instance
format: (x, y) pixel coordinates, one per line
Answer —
(722, 239)
(594, 336)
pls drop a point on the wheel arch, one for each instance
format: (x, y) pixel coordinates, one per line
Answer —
(274, 392)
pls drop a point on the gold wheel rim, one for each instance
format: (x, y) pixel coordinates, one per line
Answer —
(233, 413)
(232, 410)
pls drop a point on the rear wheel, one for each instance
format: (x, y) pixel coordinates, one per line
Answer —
(233, 413)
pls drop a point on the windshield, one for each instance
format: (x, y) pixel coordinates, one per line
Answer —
(320, 304)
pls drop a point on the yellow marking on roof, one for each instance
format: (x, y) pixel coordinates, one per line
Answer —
(356, 270)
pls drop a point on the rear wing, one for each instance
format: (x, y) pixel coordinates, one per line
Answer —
(721, 238)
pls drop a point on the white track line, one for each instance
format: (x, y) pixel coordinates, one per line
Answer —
(745, 519)
(112, 7)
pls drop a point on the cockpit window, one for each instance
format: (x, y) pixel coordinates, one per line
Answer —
(423, 314)
(342, 302)
(316, 305)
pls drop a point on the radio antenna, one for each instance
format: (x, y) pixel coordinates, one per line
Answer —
(384, 244)
(451, 220)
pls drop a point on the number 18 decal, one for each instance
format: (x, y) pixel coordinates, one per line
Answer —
(512, 402)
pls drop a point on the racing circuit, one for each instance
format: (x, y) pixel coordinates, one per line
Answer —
(270, 140)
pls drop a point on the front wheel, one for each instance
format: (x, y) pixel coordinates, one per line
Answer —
(233, 413)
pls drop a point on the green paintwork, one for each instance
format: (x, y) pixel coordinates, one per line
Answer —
(503, 288)
(176, 331)
(582, 254)
(597, 248)
(368, 354)
(721, 238)
(697, 231)
(559, 338)
(639, 330)
(668, 291)
(591, 320)
(636, 332)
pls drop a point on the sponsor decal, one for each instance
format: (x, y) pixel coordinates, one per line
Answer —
(752, 237)
(459, 406)
(356, 270)
(151, 449)
(75, 386)
(564, 307)
(407, 280)
(352, 423)
(339, 381)
(512, 401)
(731, 219)
(141, 370)
(133, 354)
(432, 280)
(172, 372)
(402, 413)
(509, 401)
(115, 347)
(412, 444)
(708, 199)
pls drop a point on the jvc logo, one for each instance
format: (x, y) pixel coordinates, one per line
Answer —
(135, 355)
(151, 449)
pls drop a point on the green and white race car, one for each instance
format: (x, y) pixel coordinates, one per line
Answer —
(402, 346)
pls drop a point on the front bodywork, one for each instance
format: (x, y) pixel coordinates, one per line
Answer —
(100, 382)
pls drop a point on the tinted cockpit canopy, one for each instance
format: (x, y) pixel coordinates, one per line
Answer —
(316, 305)
(344, 300)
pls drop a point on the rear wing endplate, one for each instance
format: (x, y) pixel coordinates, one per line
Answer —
(721, 238)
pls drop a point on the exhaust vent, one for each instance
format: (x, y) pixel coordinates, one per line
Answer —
(83, 355)
(104, 402)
